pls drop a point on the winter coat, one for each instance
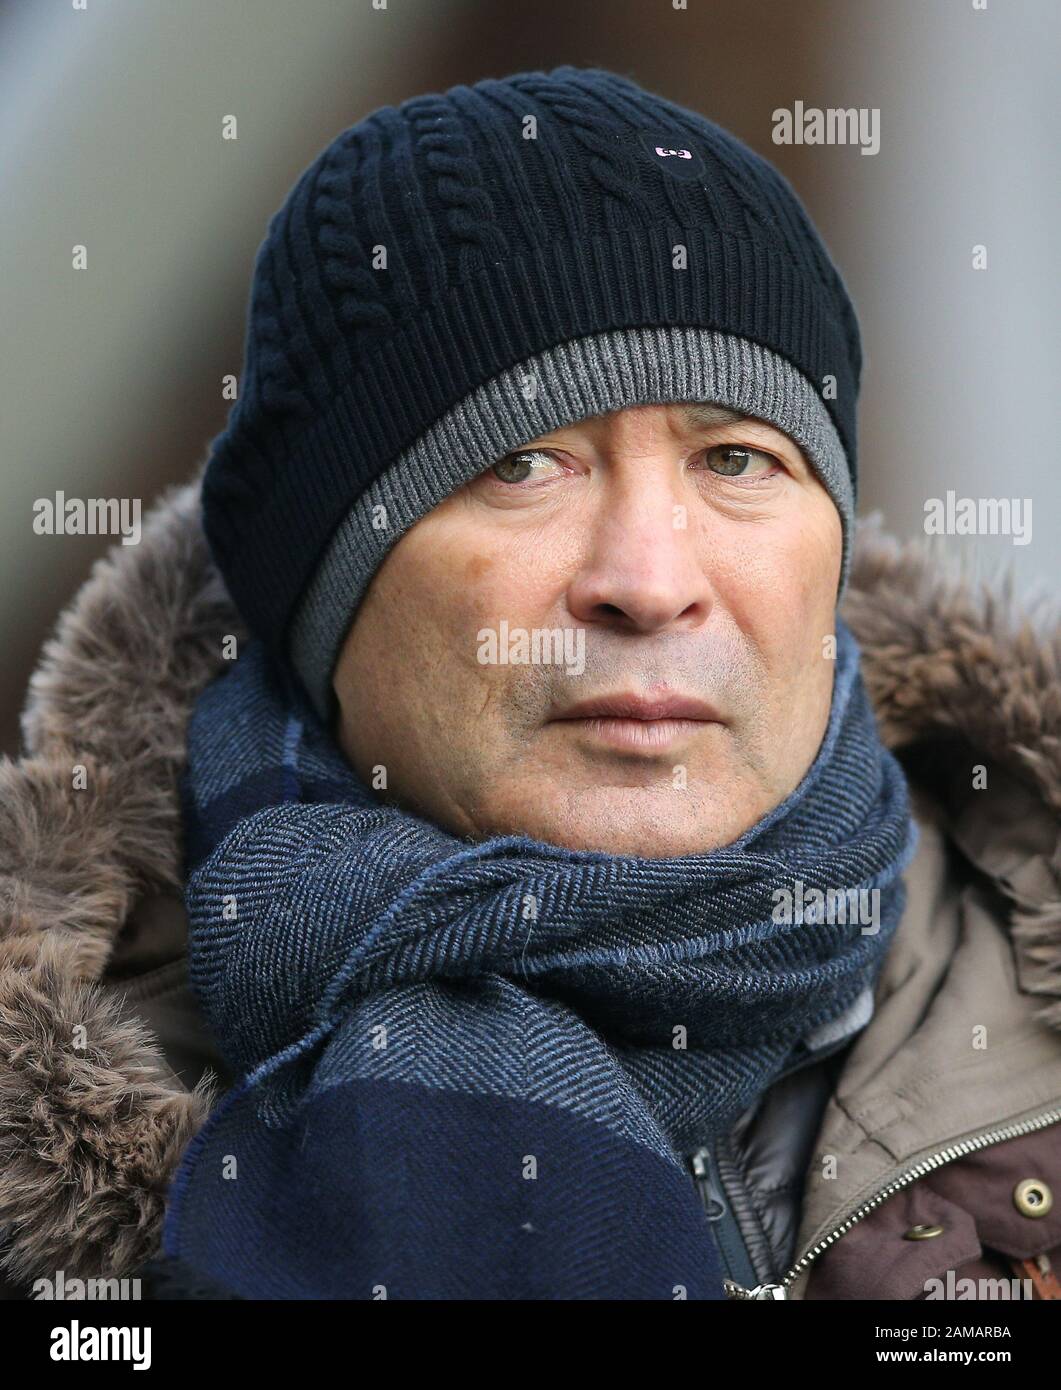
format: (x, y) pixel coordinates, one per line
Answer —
(929, 1148)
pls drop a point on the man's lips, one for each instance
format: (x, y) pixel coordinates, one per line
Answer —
(632, 722)
(634, 706)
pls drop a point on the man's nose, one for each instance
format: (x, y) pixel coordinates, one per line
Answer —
(640, 566)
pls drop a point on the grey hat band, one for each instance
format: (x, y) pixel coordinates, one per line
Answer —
(572, 381)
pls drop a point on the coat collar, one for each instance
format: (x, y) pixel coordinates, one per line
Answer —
(91, 1131)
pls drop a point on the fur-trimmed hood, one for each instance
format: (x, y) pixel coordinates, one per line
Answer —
(92, 1119)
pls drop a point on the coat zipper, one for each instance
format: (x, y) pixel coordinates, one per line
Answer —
(763, 1292)
(727, 1232)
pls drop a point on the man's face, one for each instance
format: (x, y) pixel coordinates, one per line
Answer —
(673, 578)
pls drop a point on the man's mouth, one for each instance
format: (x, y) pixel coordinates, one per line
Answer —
(631, 722)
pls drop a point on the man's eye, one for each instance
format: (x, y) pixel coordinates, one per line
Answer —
(735, 460)
(518, 467)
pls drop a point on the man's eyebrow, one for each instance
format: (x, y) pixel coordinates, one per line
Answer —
(706, 415)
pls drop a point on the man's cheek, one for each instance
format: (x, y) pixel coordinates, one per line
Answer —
(805, 591)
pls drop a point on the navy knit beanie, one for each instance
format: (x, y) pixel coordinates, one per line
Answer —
(452, 277)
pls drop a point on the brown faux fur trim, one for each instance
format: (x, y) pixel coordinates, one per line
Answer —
(946, 656)
(943, 655)
(91, 1125)
(90, 1136)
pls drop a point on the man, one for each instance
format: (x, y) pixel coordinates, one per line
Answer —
(572, 908)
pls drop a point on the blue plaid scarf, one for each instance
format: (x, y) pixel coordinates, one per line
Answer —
(476, 1070)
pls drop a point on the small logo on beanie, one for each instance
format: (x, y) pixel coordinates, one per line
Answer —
(672, 153)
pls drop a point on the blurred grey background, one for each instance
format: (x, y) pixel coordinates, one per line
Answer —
(110, 136)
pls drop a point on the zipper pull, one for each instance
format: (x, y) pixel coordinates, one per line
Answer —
(714, 1202)
(761, 1292)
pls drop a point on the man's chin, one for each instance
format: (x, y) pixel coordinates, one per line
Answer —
(648, 828)
(644, 844)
